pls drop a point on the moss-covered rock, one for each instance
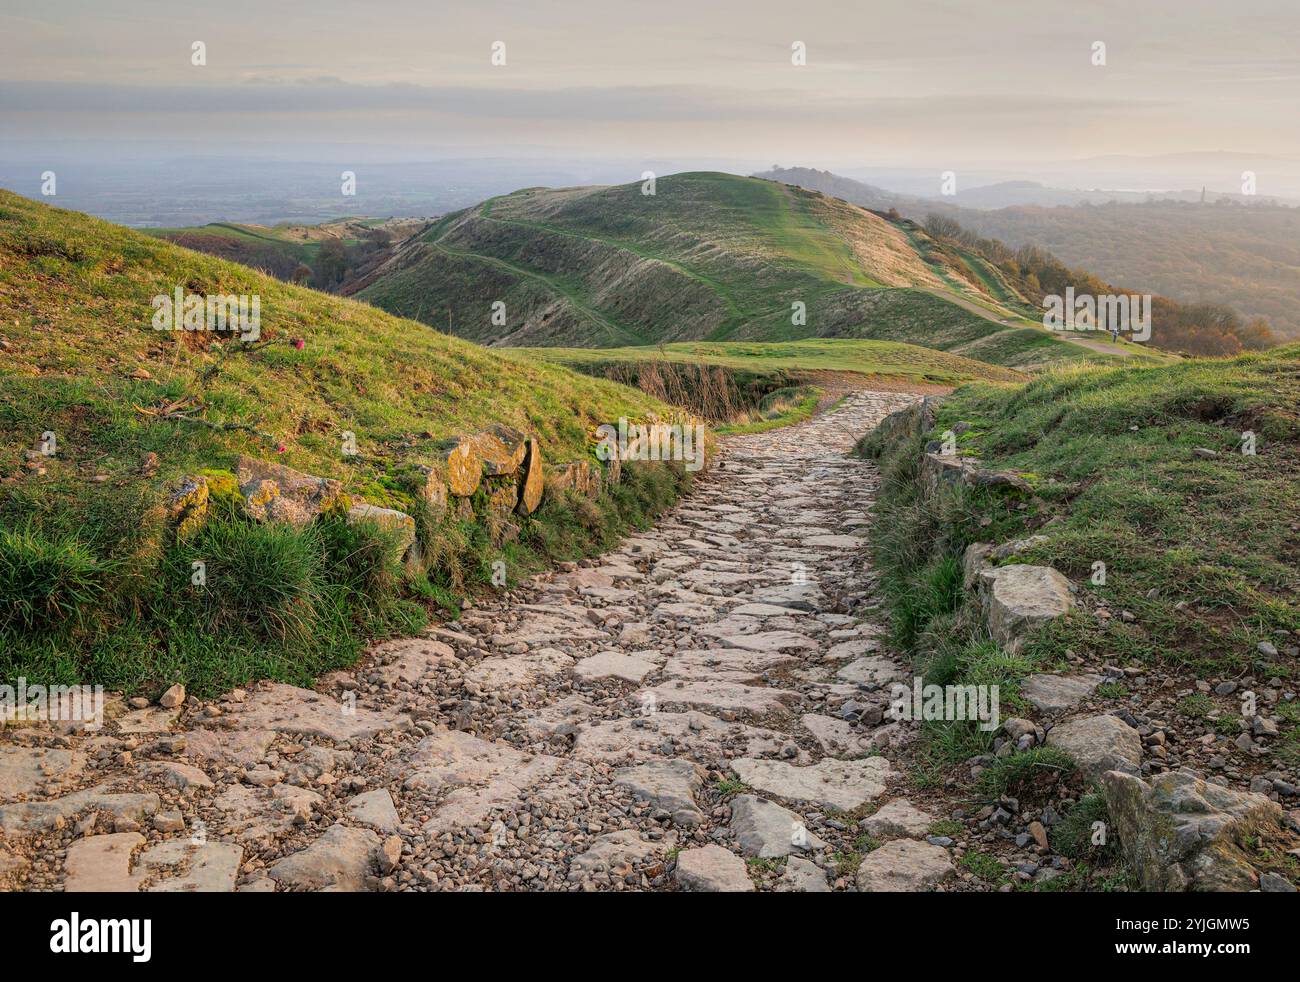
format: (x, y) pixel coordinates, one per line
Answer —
(273, 492)
(1181, 832)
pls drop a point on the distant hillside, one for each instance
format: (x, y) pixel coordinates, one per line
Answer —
(1226, 253)
(708, 257)
(326, 256)
(1245, 257)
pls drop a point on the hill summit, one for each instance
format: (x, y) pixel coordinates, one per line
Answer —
(700, 256)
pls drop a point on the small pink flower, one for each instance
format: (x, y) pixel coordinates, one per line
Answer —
(281, 448)
(299, 343)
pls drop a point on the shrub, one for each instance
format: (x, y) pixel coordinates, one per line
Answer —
(47, 580)
(264, 579)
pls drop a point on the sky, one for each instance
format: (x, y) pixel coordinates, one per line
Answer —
(933, 83)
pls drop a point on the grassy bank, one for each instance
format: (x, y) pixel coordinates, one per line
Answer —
(97, 590)
(1139, 469)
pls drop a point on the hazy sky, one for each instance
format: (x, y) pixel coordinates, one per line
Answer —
(914, 81)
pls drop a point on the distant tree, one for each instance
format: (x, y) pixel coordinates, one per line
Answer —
(941, 226)
(331, 264)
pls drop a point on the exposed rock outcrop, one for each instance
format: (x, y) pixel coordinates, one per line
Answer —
(1180, 832)
(273, 492)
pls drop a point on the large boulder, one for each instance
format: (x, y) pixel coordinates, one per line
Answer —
(912, 421)
(275, 493)
(460, 461)
(1019, 599)
(430, 486)
(939, 470)
(1098, 744)
(1180, 832)
(500, 448)
(577, 476)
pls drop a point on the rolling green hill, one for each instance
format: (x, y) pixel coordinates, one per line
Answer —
(708, 256)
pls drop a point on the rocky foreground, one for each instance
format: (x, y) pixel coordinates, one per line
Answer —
(701, 709)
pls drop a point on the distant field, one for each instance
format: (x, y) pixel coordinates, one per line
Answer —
(887, 359)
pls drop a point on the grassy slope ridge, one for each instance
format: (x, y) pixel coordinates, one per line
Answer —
(1203, 552)
(75, 307)
(709, 256)
(80, 544)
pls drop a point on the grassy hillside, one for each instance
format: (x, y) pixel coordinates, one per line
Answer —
(1139, 469)
(1245, 257)
(707, 257)
(93, 582)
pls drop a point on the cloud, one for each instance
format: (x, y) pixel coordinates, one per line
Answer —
(665, 103)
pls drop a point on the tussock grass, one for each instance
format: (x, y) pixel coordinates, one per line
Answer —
(1026, 773)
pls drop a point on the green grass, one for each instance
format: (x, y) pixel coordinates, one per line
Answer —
(1112, 452)
(947, 826)
(101, 592)
(1073, 835)
(984, 865)
(728, 787)
(1025, 772)
(1202, 551)
(1113, 455)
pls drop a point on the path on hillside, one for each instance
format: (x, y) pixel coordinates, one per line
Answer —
(683, 713)
(1101, 347)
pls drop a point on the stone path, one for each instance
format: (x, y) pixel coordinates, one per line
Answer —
(700, 710)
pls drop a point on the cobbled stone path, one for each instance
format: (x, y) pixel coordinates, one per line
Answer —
(702, 709)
